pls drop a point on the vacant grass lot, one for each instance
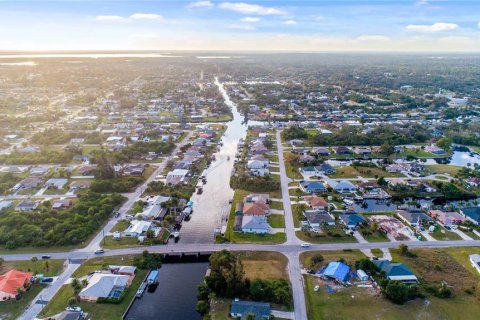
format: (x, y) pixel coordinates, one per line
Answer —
(365, 172)
(264, 265)
(376, 237)
(54, 266)
(341, 236)
(96, 310)
(444, 168)
(357, 303)
(442, 234)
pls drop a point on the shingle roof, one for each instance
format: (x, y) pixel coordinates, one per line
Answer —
(259, 309)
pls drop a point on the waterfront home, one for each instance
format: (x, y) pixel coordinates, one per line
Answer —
(255, 224)
(447, 218)
(242, 309)
(103, 285)
(475, 261)
(351, 221)
(177, 176)
(415, 219)
(153, 208)
(472, 214)
(11, 281)
(344, 186)
(396, 271)
(137, 228)
(312, 186)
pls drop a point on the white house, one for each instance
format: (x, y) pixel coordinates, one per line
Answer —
(344, 186)
(475, 261)
(137, 228)
(257, 164)
(177, 176)
(101, 285)
(255, 224)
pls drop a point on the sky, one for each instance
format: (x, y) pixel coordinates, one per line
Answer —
(263, 25)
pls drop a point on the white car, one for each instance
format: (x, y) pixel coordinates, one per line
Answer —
(305, 245)
(78, 309)
(316, 288)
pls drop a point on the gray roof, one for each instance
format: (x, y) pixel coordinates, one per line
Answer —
(261, 310)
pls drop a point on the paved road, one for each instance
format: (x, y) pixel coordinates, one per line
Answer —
(131, 199)
(47, 294)
(295, 275)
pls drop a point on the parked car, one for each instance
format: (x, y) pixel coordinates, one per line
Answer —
(46, 280)
(316, 288)
(78, 309)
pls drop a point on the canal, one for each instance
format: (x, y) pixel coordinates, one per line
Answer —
(211, 208)
(176, 295)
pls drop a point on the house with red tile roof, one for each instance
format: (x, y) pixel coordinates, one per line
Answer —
(11, 281)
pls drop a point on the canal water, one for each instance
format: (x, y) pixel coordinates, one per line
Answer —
(175, 297)
(211, 208)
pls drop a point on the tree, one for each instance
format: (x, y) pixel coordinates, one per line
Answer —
(46, 265)
(403, 248)
(1, 261)
(72, 302)
(445, 143)
(396, 291)
(84, 282)
(387, 149)
(226, 278)
(202, 307)
(34, 261)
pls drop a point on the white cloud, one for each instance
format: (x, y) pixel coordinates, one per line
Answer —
(200, 4)
(422, 3)
(373, 37)
(144, 36)
(290, 22)
(245, 27)
(478, 25)
(110, 18)
(250, 19)
(247, 8)
(436, 27)
(146, 16)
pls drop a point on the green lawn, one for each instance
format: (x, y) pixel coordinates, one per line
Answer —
(10, 310)
(365, 172)
(121, 225)
(444, 168)
(259, 238)
(350, 256)
(278, 205)
(341, 237)
(441, 234)
(54, 266)
(419, 153)
(356, 303)
(471, 234)
(110, 243)
(377, 253)
(377, 237)
(96, 311)
(276, 220)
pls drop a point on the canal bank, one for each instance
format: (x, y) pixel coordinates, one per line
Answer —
(211, 208)
(175, 297)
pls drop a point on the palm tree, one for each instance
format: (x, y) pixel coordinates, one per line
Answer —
(34, 261)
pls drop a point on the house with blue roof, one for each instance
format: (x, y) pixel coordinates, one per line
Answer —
(312, 186)
(337, 271)
(472, 214)
(351, 221)
(241, 309)
(396, 271)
